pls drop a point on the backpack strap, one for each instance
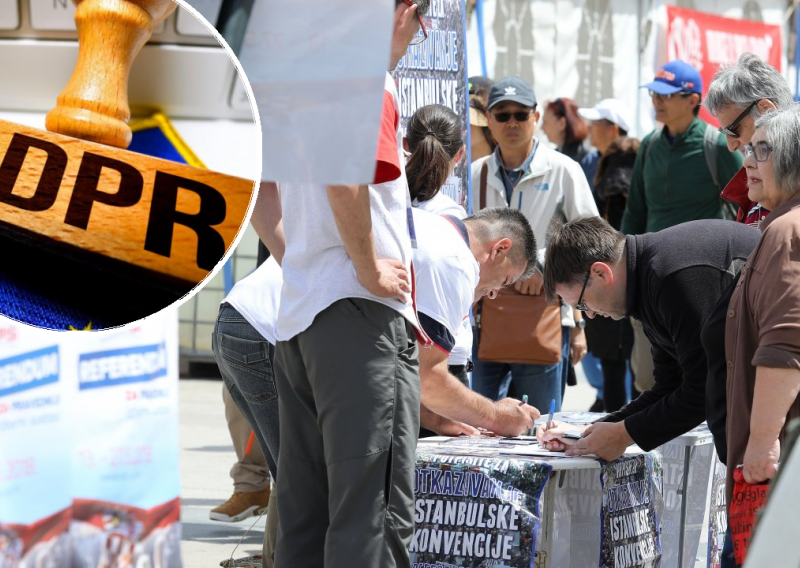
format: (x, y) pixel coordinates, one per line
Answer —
(710, 138)
(478, 308)
(484, 179)
(650, 143)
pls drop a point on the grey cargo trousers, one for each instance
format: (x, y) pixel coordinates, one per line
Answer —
(348, 389)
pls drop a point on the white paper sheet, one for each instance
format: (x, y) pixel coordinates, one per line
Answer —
(317, 70)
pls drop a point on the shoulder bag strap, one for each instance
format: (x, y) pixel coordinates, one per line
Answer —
(484, 179)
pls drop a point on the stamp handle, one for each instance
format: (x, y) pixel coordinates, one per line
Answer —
(94, 104)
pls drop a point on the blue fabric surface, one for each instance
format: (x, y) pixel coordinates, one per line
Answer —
(153, 142)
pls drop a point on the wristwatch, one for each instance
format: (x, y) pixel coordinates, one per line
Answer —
(580, 324)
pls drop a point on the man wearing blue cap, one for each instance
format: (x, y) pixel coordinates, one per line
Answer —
(674, 180)
(679, 173)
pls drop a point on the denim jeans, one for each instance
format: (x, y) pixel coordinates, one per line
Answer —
(542, 383)
(593, 372)
(244, 359)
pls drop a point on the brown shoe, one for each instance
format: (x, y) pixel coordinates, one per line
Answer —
(241, 506)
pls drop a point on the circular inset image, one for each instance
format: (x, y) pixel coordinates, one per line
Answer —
(129, 158)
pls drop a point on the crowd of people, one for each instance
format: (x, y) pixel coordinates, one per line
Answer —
(354, 338)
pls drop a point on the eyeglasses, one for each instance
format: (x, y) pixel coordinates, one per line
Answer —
(762, 150)
(581, 305)
(521, 116)
(419, 38)
(682, 94)
(731, 130)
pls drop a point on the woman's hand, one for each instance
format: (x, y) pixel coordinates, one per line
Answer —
(761, 458)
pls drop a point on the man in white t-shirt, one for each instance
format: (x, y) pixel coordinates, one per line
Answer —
(459, 363)
(347, 369)
(458, 262)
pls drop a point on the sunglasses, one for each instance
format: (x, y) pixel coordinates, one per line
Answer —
(419, 38)
(681, 94)
(521, 116)
(762, 150)
(581, 305)
(731, 129)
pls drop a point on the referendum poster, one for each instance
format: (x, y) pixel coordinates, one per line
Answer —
(125, 483)
(632, 489)
(35, 497)
(474, 511)
(435, 72)
(89, 447)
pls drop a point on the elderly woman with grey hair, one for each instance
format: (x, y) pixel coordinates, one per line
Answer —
(762, 333)
(738, 95)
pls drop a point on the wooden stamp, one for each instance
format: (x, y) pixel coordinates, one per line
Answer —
(77, 189)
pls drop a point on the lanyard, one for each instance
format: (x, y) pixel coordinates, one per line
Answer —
(412, 233)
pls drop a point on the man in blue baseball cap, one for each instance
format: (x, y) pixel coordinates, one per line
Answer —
(679, 173)
(676, 92)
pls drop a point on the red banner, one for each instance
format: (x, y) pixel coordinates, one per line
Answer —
(707, 41)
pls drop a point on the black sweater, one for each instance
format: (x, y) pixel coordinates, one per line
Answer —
(674, 279)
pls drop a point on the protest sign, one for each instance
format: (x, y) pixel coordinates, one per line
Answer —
(631, 533)
(475, 511)
(435, 72)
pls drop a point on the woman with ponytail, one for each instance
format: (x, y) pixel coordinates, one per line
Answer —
(435, 145)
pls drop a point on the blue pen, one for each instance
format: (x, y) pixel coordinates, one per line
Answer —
(552, 410)
(524, 400)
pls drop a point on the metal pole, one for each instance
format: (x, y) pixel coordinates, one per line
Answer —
(796, 54)
(481, 38)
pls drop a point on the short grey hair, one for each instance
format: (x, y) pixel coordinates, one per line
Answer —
(750, 79)
(781, 129)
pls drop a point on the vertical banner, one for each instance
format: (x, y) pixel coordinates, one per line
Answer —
(475, 511)
(718, 516)
(125, 461)
(632, 486)
(687, 461)
(577, 498)
(707, 41)
(35, 497)
(434, 72)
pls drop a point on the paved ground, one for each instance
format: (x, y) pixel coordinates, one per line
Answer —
(206, 458)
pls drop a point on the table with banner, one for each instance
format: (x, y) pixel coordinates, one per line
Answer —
(504, 502)
(691, 476)
(479, 502)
